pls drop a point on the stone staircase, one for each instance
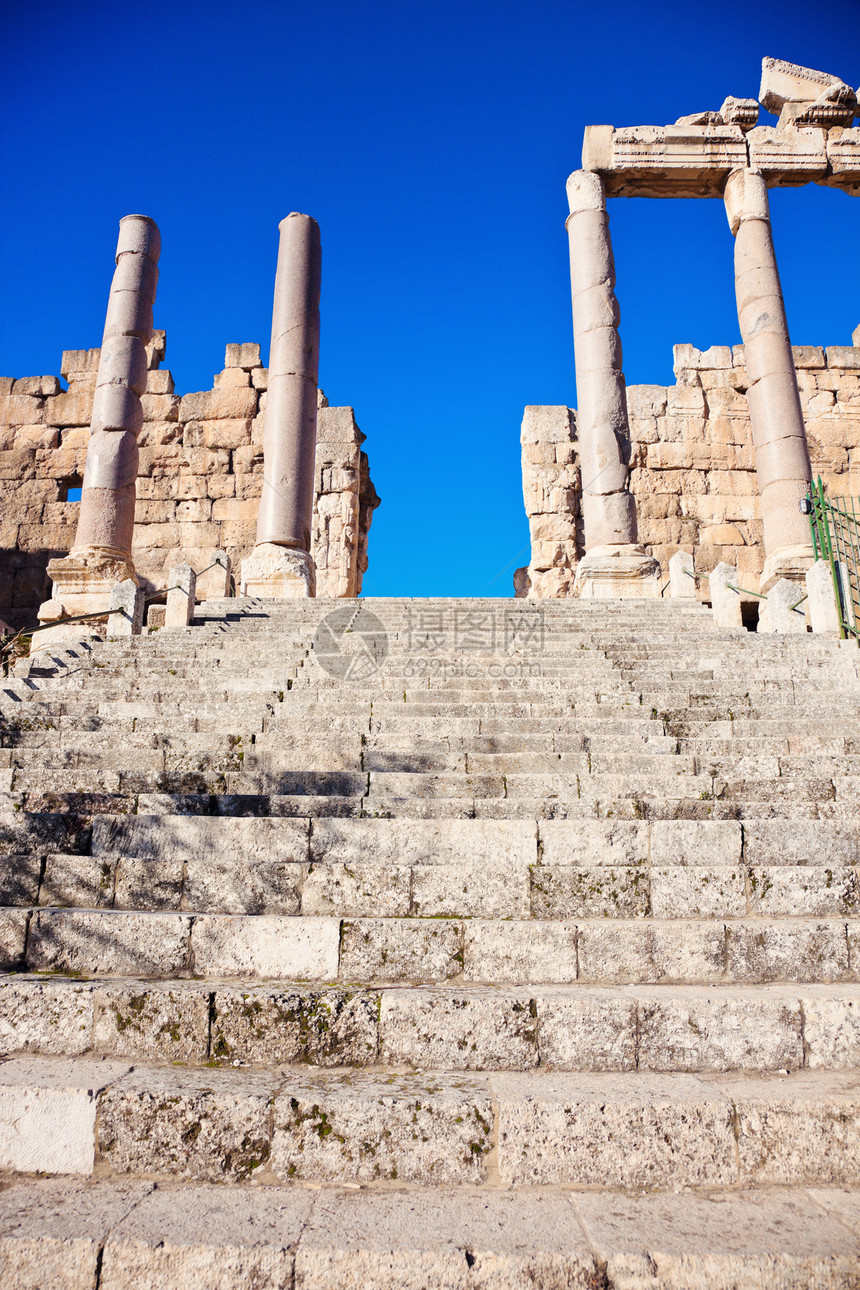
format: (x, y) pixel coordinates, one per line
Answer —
(490, 944)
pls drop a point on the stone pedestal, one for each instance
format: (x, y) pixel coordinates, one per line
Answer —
(776, 419)
(823, 609)
(278, 573)
(780, 614)
(682, 582)
(126, 610)
(181, 596)
(281, 566)
(622, 572)
(101, 555)
(614, 563)
(725, 600)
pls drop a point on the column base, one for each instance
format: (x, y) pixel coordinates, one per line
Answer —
(790, 562)
(83, 581)
(617, 573)
(274, 572)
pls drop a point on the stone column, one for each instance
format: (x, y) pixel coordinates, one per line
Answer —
(614, 564)
(101, 555)
(281, 566)
(776, 419)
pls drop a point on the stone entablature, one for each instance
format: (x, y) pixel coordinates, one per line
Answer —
(692, 471)
(199, 478)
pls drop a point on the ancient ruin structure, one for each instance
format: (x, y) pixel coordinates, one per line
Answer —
(198, 460)
(101, 555)
(720, 462)
(281, 565)
(448, 944)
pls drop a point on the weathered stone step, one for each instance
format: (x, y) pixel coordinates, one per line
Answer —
(637, 1131)
(119, 1234)
(434, 949)
(775, 1028)
(304, 876)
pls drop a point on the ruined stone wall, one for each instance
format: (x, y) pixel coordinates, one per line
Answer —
(691, 459)
(200, 477)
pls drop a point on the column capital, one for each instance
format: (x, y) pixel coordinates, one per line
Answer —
(585, 192)
(745, 197)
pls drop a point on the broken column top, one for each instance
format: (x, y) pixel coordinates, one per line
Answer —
(813, 141)
(783, 83)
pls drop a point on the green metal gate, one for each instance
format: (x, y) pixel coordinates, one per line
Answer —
(835, 524)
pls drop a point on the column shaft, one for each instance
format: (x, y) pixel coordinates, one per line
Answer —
(281, 566)
(776, 418)
(106, 517)
(613, 564)
(290, 433)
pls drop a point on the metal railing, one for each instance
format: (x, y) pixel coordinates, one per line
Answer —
(835, 525)
(7, 644)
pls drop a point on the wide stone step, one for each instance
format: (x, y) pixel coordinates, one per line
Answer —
(433, 949)
(75, 1234)
(775, 1028)
(306, 878)
(283, 1126)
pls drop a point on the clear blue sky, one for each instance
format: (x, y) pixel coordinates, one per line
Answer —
(432, 143)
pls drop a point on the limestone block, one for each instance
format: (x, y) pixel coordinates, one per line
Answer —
(760, 950)
(637, 1131)
(783, 82)
(474, 1031)
(582, 892)
(79, 362)
(53, 1232)
(36, 437)
(159, 382)
(855, 336)
(170, 1025)
(232, 378)
(401, 949)
(788, 157)
(410, 1129)
(356, 891)
(593, 842)
(832, 1032)
(804, 1129)
(662, 161)
(181, 593)
(719, 1030)
(611, 952)
(812, 891)
(697, 892)
(582, 1029)
(48, 1113)
(469, 891)
(222, 885)
(24, 409)
(38, 386)
(126, 610)
(39, 1016)
(297, 1024)
(19, 879)
(211, 405)
(218, 1128)
(246, 356)
(303, 949)
(512, 951)
(13, 935)
(843, 356)
(213, 1236)
(121, 944)
(762, 1237)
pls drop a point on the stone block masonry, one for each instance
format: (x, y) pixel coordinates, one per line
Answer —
(199, 480)
(692, 467)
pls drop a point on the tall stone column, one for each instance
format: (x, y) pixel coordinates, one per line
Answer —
(776, 419)
(614, 564)
(101, 555)
(281, 566)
